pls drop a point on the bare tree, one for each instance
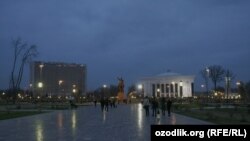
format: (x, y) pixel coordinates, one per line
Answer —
(216, 74)
(23, 53)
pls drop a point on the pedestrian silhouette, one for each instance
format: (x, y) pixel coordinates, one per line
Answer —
(154, 106)
(163, 105)
(169, 103)
(146, 105)
(102, 104)
(95, 101)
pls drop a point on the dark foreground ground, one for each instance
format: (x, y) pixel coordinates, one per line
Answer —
(88, 123)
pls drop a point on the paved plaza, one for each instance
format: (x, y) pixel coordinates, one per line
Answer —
(88, 123)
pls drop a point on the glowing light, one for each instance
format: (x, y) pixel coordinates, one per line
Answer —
(139, 86)
(41, 66)
(215, 94)
(158, 90)
(60, 82)
(40, 84)
(238, 83)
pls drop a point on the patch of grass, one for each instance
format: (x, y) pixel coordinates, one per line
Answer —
(219, 116)
(15, 114)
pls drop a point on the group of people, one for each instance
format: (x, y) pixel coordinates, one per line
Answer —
(162, 104)
(105, 103)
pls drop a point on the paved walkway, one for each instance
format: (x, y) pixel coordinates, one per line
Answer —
(125, 123)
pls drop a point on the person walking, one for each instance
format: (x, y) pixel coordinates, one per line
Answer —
(154, 106)
(102, 101)
(146, 105)
(95, 101)
(169, 104)
(163, 105)
(106, 103)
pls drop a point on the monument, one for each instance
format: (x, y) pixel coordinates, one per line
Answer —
(120, 95)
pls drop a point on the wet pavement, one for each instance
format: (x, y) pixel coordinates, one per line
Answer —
(88, 123)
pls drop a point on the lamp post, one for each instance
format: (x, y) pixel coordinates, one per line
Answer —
(74, 90)
(104, 90)
(40, 84)
(227, 79)
(208, 74)
(240, 89)
(158, 92)
(60, 82)
(140, 88)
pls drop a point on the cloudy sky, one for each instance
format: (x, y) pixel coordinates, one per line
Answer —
(130, 38)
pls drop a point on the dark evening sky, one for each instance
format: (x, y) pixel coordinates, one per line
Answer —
(130, 38)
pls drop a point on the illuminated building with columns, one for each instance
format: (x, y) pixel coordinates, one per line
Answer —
(168, 85)
(56, 78)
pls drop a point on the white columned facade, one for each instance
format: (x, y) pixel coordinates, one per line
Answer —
(168, 85)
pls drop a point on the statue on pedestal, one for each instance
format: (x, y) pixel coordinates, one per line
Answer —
(121, 95)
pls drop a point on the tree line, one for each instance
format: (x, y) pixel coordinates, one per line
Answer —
(216, 74)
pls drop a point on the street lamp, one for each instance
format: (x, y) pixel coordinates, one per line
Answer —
(158, 92)
(41, 70)
(104, 90)
(227, 79)
(40, 84)
(239, 85)
(74, 90)
(202, 86)
(60, 85)
(208, 71)
(140, 88)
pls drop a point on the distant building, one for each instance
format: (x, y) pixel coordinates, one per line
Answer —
(55, 78)
(168, 85)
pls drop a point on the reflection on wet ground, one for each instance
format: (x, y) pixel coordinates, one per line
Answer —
(126, 122)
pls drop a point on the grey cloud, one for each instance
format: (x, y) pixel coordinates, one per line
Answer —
(132, 37)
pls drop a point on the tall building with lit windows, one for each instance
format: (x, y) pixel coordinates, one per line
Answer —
(56, 78)
(168, 85)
